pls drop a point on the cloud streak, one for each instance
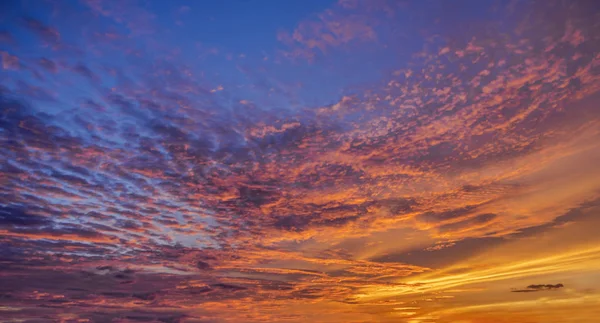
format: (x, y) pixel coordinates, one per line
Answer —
(537, 288)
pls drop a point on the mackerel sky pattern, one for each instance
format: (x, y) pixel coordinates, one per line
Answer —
(300, 161)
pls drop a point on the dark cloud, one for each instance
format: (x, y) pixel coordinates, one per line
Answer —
(538, 288)
(202, 265)
(46, 33)
(293, 222)
(18, 217)
(228, 287)
(85, 72)
(580, 213)
(440, 257)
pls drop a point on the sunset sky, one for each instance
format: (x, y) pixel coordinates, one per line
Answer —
(426, 161)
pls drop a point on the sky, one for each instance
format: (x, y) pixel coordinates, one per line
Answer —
(300, 161)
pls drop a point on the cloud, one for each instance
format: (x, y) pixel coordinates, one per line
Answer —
(329, 30)
(16, 217)
(45, 32)
(132, 192)
(9, 62)
(538, 288)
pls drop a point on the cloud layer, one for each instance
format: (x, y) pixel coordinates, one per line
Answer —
(373, 161)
